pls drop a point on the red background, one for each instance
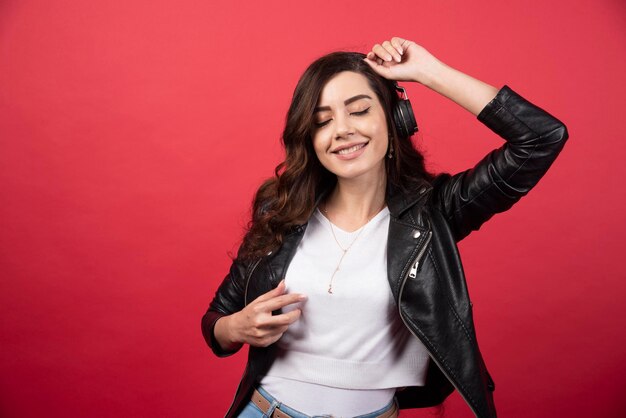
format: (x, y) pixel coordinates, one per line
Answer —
(134, 133)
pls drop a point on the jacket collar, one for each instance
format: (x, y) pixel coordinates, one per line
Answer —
(399, 202)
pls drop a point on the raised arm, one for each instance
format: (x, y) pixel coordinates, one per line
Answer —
(534, 137)
(403, 60)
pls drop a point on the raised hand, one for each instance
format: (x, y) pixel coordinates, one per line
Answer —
(403, 60)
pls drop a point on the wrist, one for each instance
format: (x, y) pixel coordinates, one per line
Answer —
(225, 334)
(434, 78)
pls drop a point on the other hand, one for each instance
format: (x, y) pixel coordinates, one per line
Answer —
(255, 324)
(403, 60)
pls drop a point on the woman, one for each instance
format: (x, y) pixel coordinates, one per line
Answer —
(348, 286)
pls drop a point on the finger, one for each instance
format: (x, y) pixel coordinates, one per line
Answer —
(266, 341)
(262, 337)
(263, 326)
(392, 51)
(279, 302)
(381, 52)
(283, 320)
(277, 291)
(371, 57)
(378, 66)
(398, 44)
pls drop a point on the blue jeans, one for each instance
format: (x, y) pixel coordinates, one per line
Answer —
(253, 411)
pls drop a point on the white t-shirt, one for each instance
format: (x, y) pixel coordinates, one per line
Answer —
(349, 350)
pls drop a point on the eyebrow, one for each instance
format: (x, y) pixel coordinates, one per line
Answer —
(346, 102)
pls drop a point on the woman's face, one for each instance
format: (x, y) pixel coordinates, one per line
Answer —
(350, 136)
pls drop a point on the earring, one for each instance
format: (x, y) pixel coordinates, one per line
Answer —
(390, 154)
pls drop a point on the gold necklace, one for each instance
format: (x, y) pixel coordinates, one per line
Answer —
(344, 250)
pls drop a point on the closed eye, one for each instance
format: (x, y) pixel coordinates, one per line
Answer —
(326, 122)
(323, 123)
(362, 112)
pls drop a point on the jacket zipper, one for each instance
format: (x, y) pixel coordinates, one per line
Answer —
(412, 274)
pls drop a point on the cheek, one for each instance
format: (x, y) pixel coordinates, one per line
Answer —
(320, 145)
(375, 126)
(381, 129)
(378, 131)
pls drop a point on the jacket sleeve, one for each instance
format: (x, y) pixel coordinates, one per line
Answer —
(534, 140)
(228, 299)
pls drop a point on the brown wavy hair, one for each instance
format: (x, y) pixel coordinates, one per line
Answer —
(288, 199)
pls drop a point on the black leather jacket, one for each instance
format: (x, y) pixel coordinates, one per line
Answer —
(423, 265)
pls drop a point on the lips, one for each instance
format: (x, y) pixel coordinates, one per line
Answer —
(349, 149)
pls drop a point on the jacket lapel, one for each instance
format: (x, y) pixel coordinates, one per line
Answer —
(407, 234)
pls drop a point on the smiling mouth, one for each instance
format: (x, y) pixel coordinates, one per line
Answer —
(351, 149)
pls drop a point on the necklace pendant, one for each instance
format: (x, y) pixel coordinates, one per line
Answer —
(344, 251)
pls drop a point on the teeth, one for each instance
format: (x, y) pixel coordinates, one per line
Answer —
(351, 149)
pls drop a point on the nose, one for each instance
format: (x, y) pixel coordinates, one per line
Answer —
(343, 127)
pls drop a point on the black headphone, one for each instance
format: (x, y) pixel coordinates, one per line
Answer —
(403, 116)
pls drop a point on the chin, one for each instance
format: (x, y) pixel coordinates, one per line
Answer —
(357, 172)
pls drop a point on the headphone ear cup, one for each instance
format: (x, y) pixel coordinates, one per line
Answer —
(404, 118)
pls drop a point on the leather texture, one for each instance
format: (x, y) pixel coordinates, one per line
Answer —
(424, 268)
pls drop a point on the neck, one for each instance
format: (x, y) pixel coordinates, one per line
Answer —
(353, 202)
